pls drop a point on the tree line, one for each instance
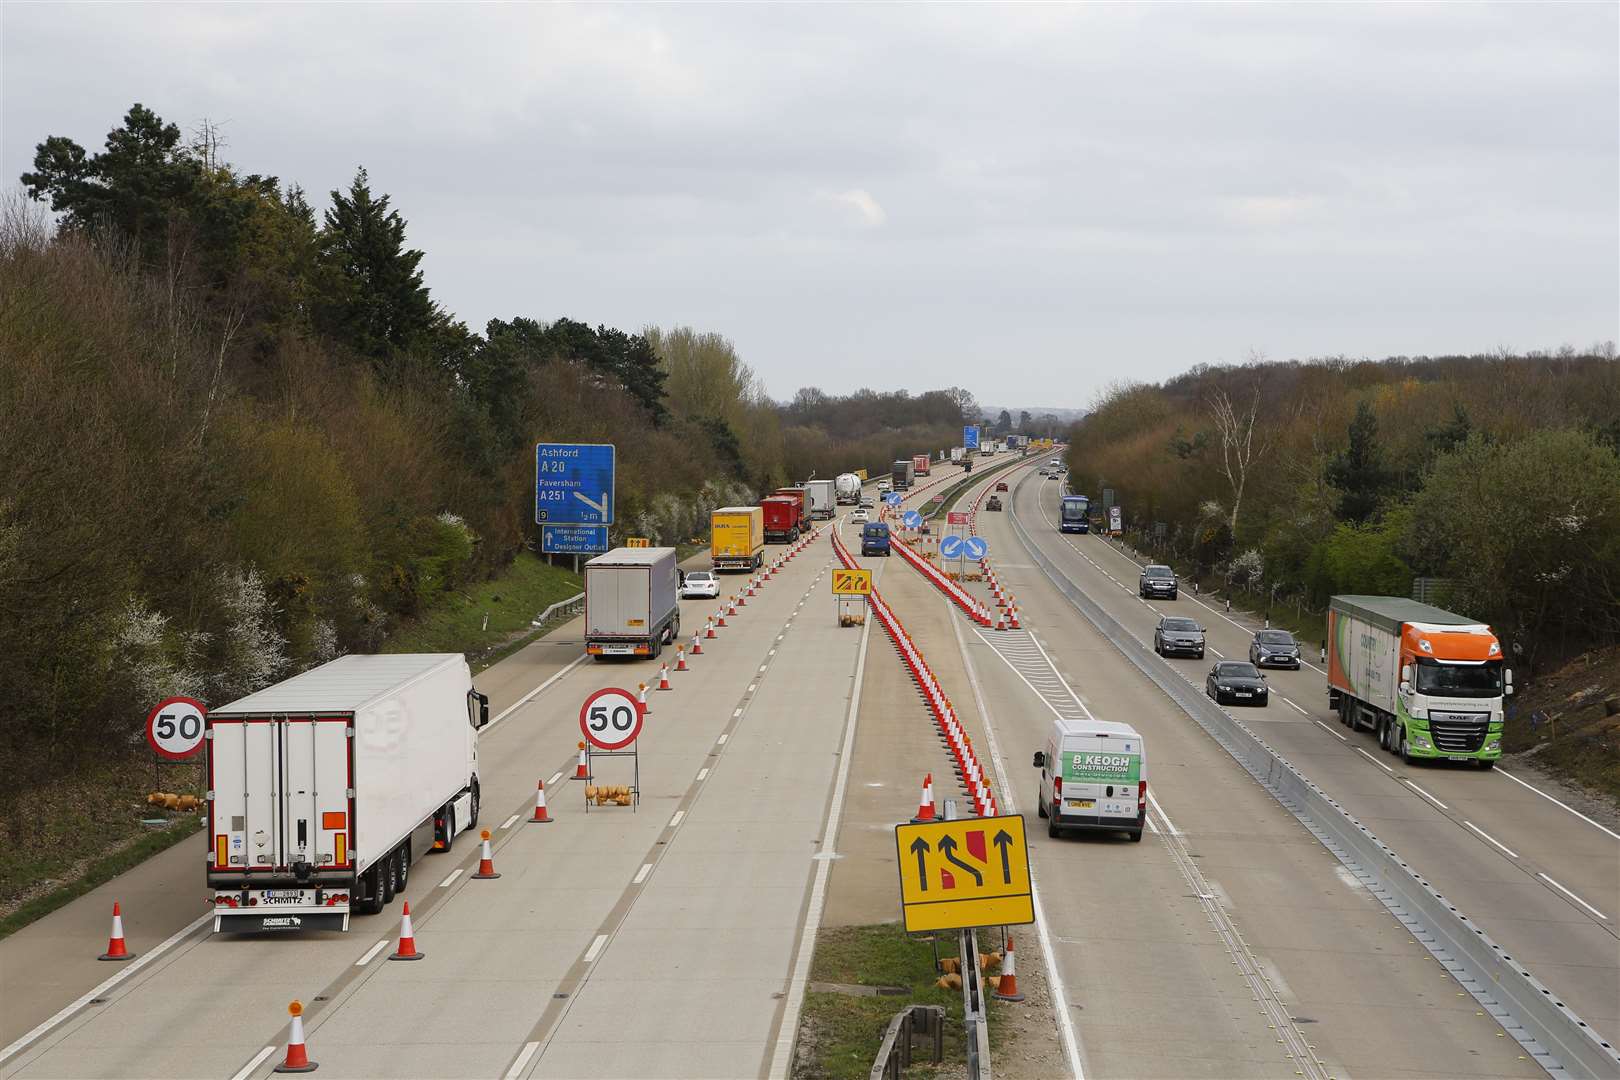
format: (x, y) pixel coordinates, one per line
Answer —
(239, 435)
(1495, 477)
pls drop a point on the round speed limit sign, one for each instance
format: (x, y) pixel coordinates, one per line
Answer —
(610, 719)
(174, 727)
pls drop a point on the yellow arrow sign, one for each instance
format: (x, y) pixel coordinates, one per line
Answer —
(852, 583)
(972, 872)
(637, 541)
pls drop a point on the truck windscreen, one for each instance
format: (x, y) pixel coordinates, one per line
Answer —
(1460, 680)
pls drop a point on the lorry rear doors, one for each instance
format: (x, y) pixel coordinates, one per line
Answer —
(281, 792)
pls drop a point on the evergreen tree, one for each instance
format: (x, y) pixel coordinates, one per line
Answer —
(1358, 470)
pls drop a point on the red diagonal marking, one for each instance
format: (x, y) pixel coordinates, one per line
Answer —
(975, 844)
(947, 880)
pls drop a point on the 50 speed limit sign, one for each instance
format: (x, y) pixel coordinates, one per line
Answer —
(174, 727)
(610, 719)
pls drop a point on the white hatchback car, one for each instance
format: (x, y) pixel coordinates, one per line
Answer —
(700, 585)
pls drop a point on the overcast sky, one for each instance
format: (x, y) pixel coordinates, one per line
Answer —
(1028, 201)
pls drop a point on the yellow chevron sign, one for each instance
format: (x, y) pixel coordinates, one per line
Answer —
(971, 872)
(852, 583)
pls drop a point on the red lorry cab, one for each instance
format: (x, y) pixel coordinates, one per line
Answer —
(781, 518)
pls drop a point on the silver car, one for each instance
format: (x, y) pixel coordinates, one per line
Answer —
(1178, 636)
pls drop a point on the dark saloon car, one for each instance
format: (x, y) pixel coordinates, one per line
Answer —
(1176, 636)
(1274, 648)
(1236, 681)
(1156, 581)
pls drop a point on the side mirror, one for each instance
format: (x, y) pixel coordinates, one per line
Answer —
(1406, 687)
(1507, 676)
(1406, 673)
(1040, 759)
(483, 710)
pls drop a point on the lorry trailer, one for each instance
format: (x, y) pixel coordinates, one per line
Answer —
(631, 606)
(1428, 682)
(848, 489)
(919, 465)
(781, 513)
(902, 474)
(801, 496)
(737, 538)
(325, 789)
(823, 500)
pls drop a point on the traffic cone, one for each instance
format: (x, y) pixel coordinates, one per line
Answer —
(1013, 613)
(720, 619)
(580, 772)
(297, 1059)
(708, 629)
(541, 817)
(486, 861)
(663, 677)
(680, 658)
(742, 597)
(116, 949)
(1007, 988)
(733, 607)
(1001, 622)
(641, 699)
(925, 805)
(697, 644)
(407, 938)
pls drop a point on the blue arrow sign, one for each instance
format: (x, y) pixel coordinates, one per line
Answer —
(970, 438)
(911, 518)
(573, 539)
(573, 483)
(974, 547)
(892, 499)
(950, 547)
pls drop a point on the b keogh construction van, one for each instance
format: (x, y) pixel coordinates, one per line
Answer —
(323, 790)
(1093, 776)
(737, 538)
(1429, 682)
(631, 606)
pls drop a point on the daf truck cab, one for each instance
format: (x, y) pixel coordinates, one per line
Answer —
(1093, 777)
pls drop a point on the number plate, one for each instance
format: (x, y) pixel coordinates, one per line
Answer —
(618, 650)
(1244, 693)
(1082, 804)
(282, 897)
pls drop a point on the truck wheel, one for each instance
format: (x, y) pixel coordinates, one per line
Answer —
(1487, 763)
(472, 822)
(1403, 748)
(386, 874)
(372, 901)
(402, 867)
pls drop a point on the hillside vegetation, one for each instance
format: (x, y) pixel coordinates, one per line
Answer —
(239, 436)
(1495, 475)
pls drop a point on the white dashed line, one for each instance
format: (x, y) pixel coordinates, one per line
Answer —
(703, 774)
(641, 875)
(596, 948)
(723, 739)
(447, 882)
(1324, 727)
(1573, 897)
(258, 1059)
(1492, 839)
(1426, 795)
(509, 822)
(522, 1061)
(371, 953)
(555, 777)
(1503, 772)
(675, 821)
(1375, 761)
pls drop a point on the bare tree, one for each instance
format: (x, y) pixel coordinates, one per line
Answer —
(1241, 450)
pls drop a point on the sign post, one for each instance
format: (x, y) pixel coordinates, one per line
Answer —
(965, 873)
(611, 722)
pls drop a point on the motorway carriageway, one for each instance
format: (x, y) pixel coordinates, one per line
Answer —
(1229, 942)
(1538, 876)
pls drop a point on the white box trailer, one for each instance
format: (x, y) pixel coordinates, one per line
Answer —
(823, 501)
(631, 602)
(325, 788)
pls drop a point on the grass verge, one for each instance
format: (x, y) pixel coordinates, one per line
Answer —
(839, 1033)
(511, 601)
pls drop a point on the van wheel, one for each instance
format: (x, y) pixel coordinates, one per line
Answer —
(385, 877)
(1040, 809)
(1136, 836)
(1052, 829)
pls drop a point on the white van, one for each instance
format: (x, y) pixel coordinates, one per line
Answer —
(1093, 776)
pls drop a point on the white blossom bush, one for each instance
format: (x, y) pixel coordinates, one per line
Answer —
(254, 651)
(1247, 569)
(158, 661)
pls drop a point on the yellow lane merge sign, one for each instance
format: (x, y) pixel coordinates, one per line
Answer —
(972, 872)
(852, 583)
(637, 541)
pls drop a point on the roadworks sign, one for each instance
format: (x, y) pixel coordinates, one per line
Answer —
(970, 872)
(852, 583)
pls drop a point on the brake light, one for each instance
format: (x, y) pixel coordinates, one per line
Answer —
(1057, 789)
(1141, 796)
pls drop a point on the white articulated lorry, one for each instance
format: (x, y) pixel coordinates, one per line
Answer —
(848, 486)
(325, 788)
(823, 499)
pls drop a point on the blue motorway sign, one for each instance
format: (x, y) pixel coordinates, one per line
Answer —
(950, 547)
(573, 539)
(892, 499)
(911, 519)
(573, 483)
(974, 547)
(970, 438)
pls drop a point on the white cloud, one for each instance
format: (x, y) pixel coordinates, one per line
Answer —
(868, 209)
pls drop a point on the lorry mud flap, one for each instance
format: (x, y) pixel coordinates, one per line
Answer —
(280, 921)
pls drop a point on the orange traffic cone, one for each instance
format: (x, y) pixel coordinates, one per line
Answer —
(708, 629)
(580, 772)
(297, 1059)
(1013, 612)
(697, 644)
(733, 606)
(1001, 622)
(541, 817)
(641, 699)
(1007, 988)
(116, 949)
(680, 658)
(486, 861)
(925, 805)
(407, 939)
(663, 677)
(741, 600)
(721, 621)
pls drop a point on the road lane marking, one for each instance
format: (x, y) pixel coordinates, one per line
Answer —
(734, 714)
(1375, 761)
(1573, 897)
(1296, 708)
(751, 686)
(703, 774)
(371, 953)
(676, 820)
(596, 948)
(782, 1054)
(723, 737)
(1426, 795)
(447, 882)
(1323, 726)
(252, 1066)
(641, 875)
(532, 694)
(509, 822)
(1503, 772)
(556, 776)
(522, 1061)
(1167, 822)
(1492, 839)
(140, 961)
